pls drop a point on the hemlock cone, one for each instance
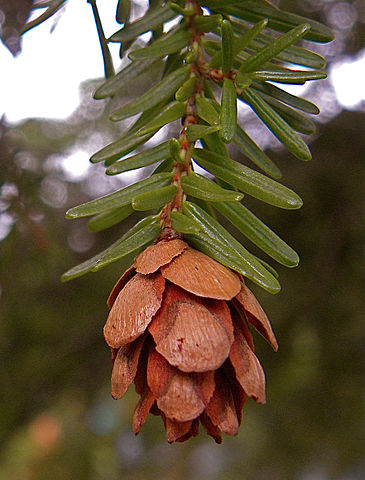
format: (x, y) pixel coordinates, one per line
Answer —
(178, 328)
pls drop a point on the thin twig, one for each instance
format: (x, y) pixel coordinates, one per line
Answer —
(107, 58)
(51, 10)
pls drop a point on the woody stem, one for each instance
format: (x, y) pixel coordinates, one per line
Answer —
(184, 165)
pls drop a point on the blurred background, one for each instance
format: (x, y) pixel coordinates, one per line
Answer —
(57, 418)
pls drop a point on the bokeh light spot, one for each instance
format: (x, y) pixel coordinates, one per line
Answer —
(76, 166)
(6, 222)
(53, 192)
(347, 78)
(80, 239)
